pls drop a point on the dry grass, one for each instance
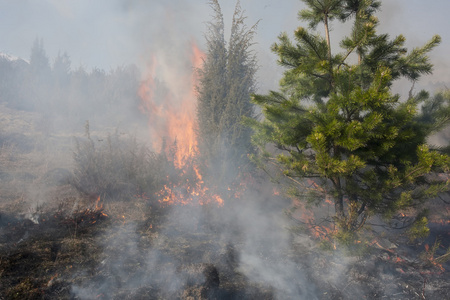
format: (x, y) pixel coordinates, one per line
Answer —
(58, 242)
(115, 167)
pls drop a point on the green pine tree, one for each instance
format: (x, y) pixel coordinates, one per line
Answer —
(336, 121)
(224, 97)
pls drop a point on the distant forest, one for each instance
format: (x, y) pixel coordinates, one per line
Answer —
(72, 96)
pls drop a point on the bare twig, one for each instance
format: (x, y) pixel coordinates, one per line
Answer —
(423, 290)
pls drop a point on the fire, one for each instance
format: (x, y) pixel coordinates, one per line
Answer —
(275, 191)
(398, 260)
(52, 280)
(98, 204)
(172, 115)
(441, 222)
(312, 185)
(169, 99)
(188, 192)
(318, 227)
(99, 207)
(430, 256)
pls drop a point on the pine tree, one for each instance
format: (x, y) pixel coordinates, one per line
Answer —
(38, 79)
(212, 89)
(61, 69)
(338, 123)
(38, 59)
(224, 96)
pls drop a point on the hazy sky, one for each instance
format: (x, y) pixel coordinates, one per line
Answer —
(108, 33)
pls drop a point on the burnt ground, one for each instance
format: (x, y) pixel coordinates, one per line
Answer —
(58, 244)
(93, 254)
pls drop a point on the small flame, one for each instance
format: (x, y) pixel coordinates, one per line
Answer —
(98, 204)
(52, 280)
(398, 260)
(276, 192)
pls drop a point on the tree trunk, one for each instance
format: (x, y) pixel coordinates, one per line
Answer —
(327, 34)
(339, 200)
(339, 206)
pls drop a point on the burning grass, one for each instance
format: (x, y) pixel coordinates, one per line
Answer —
(139, 250)
(83, 241)
(99, 252)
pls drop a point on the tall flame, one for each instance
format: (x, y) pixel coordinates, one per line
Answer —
(169, 100)
(172, 116)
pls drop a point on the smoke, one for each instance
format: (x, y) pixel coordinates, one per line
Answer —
(247, 238)
(122, 32)
(121, 253)
(266, 243)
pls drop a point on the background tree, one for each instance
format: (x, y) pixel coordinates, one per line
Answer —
(338, 123)
(61, 69)
(39, 62)
(39, 78)
(68, 97)
(224, 93)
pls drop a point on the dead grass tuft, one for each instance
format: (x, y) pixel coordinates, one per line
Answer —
(115, 168)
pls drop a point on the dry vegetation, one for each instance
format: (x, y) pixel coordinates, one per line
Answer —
(59, 240)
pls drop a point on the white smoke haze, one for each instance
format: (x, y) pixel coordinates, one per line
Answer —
(106, 34)
(249, 237)
(122, 251)
(117, 46)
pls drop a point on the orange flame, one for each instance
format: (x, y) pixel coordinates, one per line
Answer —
(99, 207)
(98, 204)
(172, 115)
(398, 260)
(169, 100)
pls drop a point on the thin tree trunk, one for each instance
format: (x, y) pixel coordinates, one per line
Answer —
(327, 34)
(339, 206)
(339, 200)
(358, 49)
